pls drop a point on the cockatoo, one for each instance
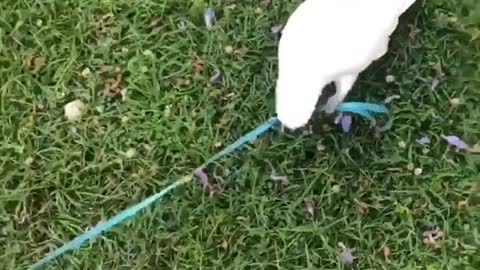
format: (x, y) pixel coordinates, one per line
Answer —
(328, 41)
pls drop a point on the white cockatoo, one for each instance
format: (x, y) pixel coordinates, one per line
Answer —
(328, 41)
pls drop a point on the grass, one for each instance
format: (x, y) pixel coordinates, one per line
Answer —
(57, 179)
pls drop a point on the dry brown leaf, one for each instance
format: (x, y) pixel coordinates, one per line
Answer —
(462, 205)
(34, 62)
(197, 66)
(265, 3)
(430, 237)
(107, 70)
(361, 207)
(438, 70)
(310, 208)
(386, 253)
(413, 32)
(223, 122)
(102, 23)
(22, 216)
(124, 94)
(475, 149)
(154, 23)
(86, 72)
(113, 88)
(242, 52)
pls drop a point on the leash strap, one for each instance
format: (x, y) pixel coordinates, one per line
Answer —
(360, 108)
(133, 210)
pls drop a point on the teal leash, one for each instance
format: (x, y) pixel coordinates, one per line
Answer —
(133, 210)
(364, 109)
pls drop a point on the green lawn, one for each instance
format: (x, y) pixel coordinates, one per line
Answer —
(58, 178)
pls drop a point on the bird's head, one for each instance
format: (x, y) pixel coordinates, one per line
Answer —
(295, 102)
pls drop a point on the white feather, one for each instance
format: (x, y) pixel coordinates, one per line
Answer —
(325, 41)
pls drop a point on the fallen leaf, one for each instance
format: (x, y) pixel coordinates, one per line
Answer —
(413, 32)
(124, 94)
(214, 189)
(86, 72)
(74, 110)
(434, 85)
(278, 178)
(107, 70)
(34, 63)
(430, 237)
(462, 205)
(456, 141)
(391, 98)
(475, 149)
(223, 123)
(310, 208)
(361, 207)
(104, 22)
(265, 3)
(438, 70)
(336, 189)
(231, 7)
(113, 88)
(131, 153)
(320, 146)
(154, 23)
(386, 253)
(28, 161)
(242, 52)
(21, 216)
(197, 66)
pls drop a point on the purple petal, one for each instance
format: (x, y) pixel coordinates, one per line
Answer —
(424, 140)
(209, 17)
(346, 122)
(347, 257)
(457, 142)
(201, 176)
(216, 77)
